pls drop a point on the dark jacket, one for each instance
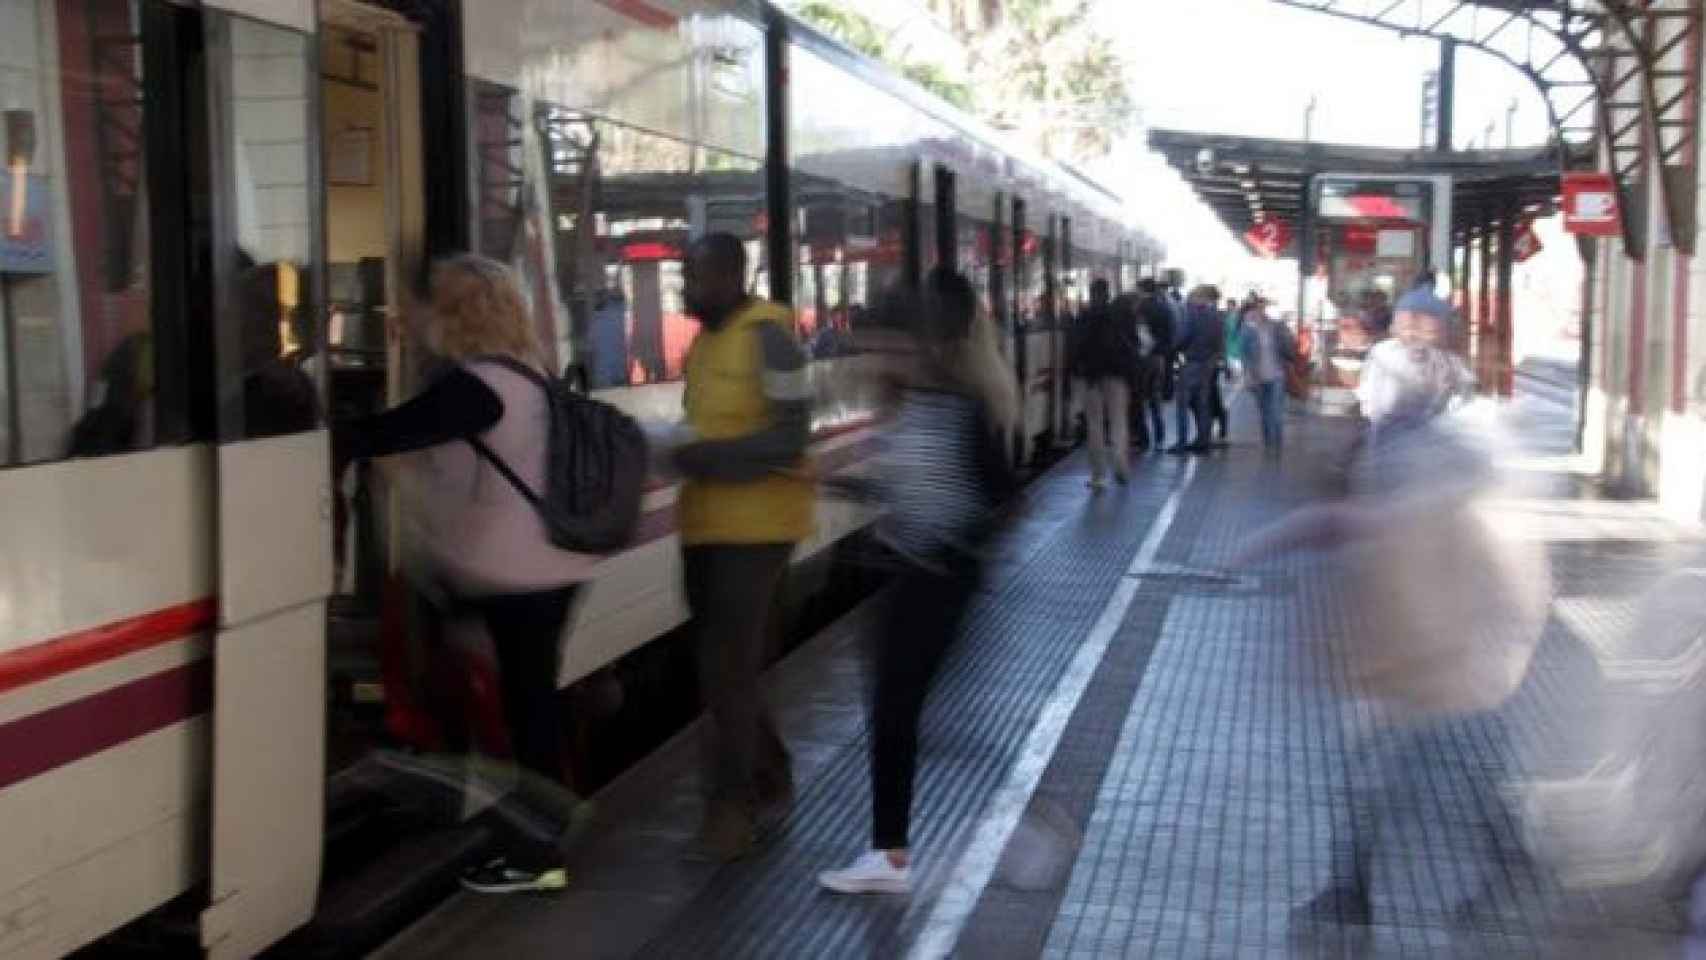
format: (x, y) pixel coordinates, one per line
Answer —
(1156, 316)
(1203, 339)
(1104, 343)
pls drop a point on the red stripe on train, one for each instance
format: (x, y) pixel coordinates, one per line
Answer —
(41, 742)
(73, 651)
(643, 12)
(36, 744)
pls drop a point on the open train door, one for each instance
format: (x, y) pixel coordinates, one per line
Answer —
(274, 491)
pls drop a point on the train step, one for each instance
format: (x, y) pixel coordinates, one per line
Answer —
(360, 911)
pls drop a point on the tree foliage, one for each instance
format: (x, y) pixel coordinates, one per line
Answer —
(1036, 67)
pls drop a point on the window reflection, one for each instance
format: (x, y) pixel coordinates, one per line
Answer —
(267, 329)
(626, 203)
(77, 359)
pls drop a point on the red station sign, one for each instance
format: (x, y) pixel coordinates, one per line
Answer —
(1590, 205)
(1526, 244)
(1269, 238)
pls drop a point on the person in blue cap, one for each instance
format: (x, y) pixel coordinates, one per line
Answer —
(1411, 377)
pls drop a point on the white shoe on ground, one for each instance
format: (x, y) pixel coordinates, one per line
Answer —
(871, 873)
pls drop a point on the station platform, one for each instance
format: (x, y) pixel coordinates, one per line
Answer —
(1132, 752)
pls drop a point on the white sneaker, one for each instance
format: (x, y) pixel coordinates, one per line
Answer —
(871, 873)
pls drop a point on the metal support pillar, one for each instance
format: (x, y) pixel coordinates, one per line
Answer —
(947, 220)
(1447, 94)
(779, 203)
(1460, 293)
(1505, 318)
(1584, 359)
(914, 245)
(1484, 303)
(1306, 270)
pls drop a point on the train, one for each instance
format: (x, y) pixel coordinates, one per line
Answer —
(217, 216)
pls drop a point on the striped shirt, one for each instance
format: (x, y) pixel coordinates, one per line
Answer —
(932, 474)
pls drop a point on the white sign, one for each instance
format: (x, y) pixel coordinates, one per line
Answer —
(1395, 243)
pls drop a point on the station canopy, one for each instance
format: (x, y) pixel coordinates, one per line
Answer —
(1251, 182)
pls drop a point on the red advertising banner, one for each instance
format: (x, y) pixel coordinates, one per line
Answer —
(1590, 205)
(1269, 238)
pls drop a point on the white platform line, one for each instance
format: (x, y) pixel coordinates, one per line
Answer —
(966, 883)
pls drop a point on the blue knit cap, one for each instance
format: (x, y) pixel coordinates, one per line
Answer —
(1422, 300)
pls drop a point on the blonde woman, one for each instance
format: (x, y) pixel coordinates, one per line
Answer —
(480, 538)
(943, 473)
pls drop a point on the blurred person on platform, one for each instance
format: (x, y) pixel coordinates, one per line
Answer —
(1268, 351)
(1410, 378)
(1102, 358)
(1444, 605)
(1200, 345)
(943, 474)
(1155, 333)
(746, 501)
(482, 545)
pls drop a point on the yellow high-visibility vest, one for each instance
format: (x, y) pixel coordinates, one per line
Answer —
(725, 399)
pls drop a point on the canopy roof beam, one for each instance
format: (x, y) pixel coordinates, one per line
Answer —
(1636, 62)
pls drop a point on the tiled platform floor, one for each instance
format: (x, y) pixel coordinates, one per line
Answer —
(1192, 796)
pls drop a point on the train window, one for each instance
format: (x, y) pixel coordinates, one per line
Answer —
(82, 370)
(854, 165)
(605, 138)
(270, 362)
(510, 215)
(626, 203)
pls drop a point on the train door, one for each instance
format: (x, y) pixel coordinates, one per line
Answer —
(374, 200)
(274, 506)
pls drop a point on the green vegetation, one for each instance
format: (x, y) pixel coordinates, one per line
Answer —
(1035, 67)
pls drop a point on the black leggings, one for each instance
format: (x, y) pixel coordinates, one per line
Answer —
(924, 616)
(526, 630)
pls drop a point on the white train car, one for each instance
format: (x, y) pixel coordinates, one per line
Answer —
(217, 215)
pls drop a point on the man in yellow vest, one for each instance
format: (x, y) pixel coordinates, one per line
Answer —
(746, 501)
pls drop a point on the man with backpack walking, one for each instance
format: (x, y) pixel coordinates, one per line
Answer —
(745, 503)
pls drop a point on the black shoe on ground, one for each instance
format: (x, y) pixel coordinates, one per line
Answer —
(1178, 449)
(499, 876)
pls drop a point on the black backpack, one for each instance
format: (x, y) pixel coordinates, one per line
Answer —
(595, 473)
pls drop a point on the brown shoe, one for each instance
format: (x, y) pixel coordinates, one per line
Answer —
(729, 833)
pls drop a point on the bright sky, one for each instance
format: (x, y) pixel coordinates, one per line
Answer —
(1250, 67)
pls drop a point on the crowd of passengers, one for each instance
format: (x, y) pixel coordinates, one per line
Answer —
(470, 452)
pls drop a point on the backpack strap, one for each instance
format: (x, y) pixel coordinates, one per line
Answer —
(487, 453)
(490, 456)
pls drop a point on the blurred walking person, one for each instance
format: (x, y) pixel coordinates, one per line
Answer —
(1450, 607)
(1104, 354)
(1155, 331)
(745, 503)
(1268, 350)
(944, 471)
(1411, 377)
(483, 542)
(1200, 344)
